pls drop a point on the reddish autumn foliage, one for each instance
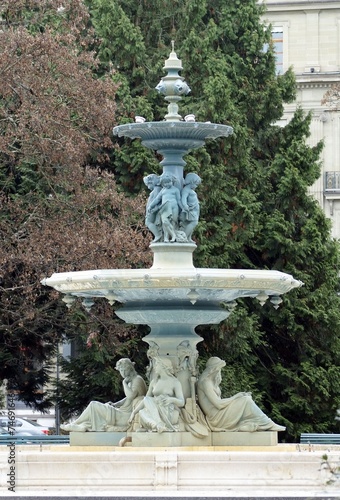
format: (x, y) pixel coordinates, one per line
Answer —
(53, 112)
(59, 211)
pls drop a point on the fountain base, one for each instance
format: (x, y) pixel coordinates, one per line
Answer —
(178, 439)
(173, 439)
(285, 471)
(96, 438)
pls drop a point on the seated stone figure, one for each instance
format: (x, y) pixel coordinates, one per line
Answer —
(159, 410)
(112, 417)
(238, 413)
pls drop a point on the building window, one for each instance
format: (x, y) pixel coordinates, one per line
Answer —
(332, 181)
(277, 38)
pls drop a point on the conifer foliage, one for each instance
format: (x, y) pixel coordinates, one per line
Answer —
(256, 210)
(65, 77)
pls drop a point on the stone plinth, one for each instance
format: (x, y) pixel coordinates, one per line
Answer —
(172, 255)
(244, 438)
(179, 439)
(96, 438)
(173, 439)
(274, 471)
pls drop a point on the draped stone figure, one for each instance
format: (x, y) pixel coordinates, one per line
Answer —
(110, 416)
(237, 413)
(159, 410)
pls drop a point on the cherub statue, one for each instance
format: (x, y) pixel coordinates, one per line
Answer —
(191, 209)
(152, 181)
(166, 206)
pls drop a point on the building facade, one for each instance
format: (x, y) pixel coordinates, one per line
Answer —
(306, 34)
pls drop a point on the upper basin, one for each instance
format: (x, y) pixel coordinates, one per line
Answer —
(173, 134)
(165, 285)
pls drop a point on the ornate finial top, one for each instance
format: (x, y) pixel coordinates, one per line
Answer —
(173, 86)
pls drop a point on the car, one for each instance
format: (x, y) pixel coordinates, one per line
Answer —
(22, 427)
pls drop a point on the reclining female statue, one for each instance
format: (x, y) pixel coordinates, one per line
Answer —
(238, 413)
(110, 416)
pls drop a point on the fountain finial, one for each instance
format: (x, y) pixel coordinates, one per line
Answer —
(173, 85)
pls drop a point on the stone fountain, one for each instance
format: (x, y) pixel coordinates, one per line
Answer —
(173, 297)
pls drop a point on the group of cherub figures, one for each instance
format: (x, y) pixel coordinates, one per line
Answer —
(165, 406)
(172, 213)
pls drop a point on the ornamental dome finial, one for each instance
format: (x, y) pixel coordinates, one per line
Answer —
(173, 86)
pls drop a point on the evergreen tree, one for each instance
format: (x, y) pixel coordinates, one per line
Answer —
(256, 211)
(91, 375)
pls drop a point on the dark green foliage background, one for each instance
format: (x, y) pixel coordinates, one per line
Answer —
(256, 211)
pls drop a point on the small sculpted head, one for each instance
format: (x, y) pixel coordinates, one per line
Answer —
(125, 367)
(164, 365)
(213, 369)
(181, 87)
(192, 178)
(153, 350)
(166, 180)
(161, 88)
(151, 181)
(214, 364)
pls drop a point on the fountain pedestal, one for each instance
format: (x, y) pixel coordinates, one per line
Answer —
(173, 256)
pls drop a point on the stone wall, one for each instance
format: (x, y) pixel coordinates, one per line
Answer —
(311, 45)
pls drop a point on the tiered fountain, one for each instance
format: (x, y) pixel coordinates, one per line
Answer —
(173, 296)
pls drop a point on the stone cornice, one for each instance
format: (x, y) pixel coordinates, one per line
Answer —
(299, 3)
(277, 5)
(316, 80)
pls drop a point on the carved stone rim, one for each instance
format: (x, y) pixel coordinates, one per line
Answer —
(151, 130)
(158, 279)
